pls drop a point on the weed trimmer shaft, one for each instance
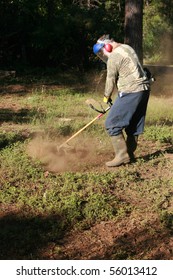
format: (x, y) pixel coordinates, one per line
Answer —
(101, 113)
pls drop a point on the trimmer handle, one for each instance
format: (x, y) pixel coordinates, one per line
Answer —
(102, 111)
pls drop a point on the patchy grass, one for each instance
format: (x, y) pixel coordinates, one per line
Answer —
(83, 210)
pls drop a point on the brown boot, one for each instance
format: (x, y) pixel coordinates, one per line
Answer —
(120, 148)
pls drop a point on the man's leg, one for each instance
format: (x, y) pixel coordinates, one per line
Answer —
(120, 117)
(136, 125)
(131, 142)
(120, 149)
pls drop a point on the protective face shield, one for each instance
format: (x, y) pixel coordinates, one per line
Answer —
(102, 51)
(103, 48)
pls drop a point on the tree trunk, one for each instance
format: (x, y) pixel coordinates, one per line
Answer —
(133, 26)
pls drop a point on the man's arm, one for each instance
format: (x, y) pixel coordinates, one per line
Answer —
(112, 74)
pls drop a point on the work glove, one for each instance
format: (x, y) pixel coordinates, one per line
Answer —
(107, 100)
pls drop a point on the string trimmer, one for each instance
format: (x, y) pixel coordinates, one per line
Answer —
(62, 148)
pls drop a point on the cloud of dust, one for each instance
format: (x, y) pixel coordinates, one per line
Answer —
(163, 69)
(166, 46)
(55, 160)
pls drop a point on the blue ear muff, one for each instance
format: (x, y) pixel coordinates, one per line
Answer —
(108, 47)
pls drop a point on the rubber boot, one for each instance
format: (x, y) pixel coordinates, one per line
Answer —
(120, 149)
(131, 142)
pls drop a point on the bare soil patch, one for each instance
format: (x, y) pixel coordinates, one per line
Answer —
(140, 235)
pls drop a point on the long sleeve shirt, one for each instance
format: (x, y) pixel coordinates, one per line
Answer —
(125, 71)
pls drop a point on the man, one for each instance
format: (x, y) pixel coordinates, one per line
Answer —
(127, 114)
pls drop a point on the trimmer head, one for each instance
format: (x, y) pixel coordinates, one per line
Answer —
(95, 105)
(65, 149)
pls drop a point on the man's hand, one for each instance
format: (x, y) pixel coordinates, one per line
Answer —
(107, 100)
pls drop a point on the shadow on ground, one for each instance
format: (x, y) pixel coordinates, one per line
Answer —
(46, 238)
(23, 238)
(156, 154)
(19, 116)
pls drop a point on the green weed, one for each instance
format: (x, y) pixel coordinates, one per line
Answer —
(6, 139)
(161, 133)
(166, 218)
(46, 206)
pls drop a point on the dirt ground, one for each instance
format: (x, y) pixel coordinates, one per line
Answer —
(138, 236)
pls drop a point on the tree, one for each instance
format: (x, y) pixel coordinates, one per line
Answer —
(133, 26)
(158, 31)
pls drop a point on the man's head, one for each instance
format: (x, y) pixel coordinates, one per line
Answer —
(103, 48)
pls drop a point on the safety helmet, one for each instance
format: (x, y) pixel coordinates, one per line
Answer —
(97, 47)
(103, 47)
(102, 51)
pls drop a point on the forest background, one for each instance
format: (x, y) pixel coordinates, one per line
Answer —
(60, 34)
